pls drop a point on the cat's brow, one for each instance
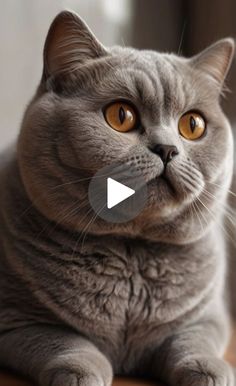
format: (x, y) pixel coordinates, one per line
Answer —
(147, 86)
(173, 95)
(144, 86)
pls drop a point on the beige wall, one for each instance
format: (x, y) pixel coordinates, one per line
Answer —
(23, 27)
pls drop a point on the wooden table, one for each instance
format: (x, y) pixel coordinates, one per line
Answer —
(10, 380)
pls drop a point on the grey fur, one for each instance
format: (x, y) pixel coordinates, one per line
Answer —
(81, 299)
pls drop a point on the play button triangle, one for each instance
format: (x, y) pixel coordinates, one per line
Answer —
(117, 192)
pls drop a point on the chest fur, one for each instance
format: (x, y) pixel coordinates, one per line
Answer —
(125, 297)
(119, 298)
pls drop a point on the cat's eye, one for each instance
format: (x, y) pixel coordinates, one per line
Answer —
(121, 116)
(192, 125)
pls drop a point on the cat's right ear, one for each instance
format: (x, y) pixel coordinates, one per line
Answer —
(69, 44)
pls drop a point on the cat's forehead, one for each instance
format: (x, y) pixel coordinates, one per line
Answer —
(153, 78)
(155, 65)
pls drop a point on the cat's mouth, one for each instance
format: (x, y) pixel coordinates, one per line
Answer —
(164, 177)
(162, 192)
(170, 188)
(166, 180)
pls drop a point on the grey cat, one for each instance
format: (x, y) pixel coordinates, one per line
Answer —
(82, 299)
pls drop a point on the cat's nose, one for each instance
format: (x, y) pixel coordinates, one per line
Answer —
(165, 152)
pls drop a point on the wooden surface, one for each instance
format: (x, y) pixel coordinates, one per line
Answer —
(10, 380)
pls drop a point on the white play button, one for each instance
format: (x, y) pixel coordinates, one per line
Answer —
(117, 192)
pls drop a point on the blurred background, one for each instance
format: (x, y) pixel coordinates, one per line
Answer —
(167, 25)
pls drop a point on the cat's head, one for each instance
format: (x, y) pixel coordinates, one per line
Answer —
(159, 112)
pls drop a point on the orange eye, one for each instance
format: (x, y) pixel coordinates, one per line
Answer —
(192, 125)
(121, 116)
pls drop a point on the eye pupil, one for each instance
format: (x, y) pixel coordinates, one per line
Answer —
(192, 124)
(121, 115)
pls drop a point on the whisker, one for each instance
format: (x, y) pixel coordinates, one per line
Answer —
(196, 209)
(182, 36)
(217, 200)
(189, 172)
(219, 224)
(200, 212)
(189, 183)
(79, 238)
(67, 214)
(80, 180)
(93, 219)
(117, 171)
(226, 210)
(220, 186)
(195, 170)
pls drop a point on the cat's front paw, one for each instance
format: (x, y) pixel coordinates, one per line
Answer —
(204, 371)
(83, 369)
(66, 378)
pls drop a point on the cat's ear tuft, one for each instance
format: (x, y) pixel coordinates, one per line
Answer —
(69, 43)
(216, 59)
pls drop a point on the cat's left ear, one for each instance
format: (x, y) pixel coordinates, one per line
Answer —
(215, 60)
(69, 44)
